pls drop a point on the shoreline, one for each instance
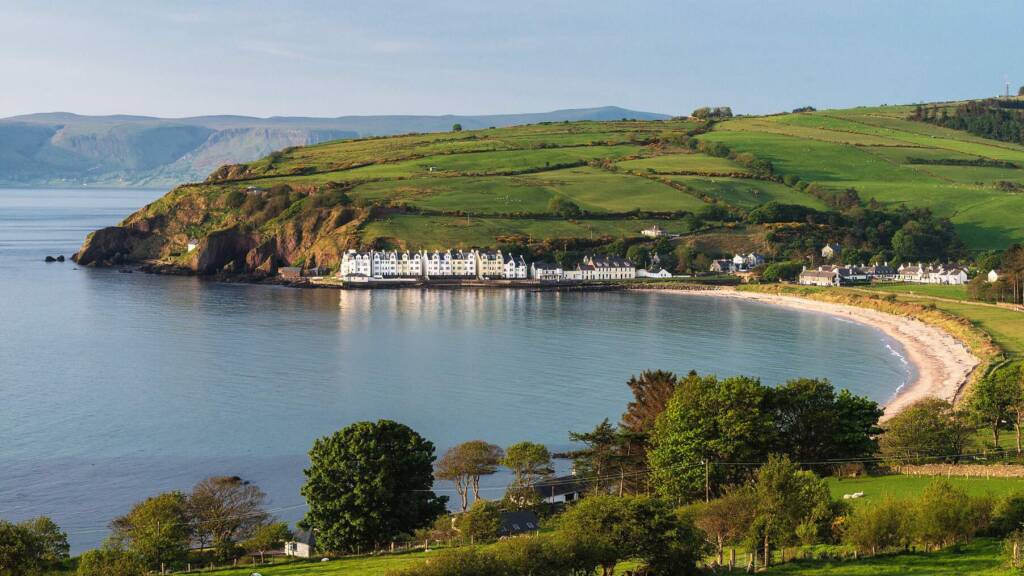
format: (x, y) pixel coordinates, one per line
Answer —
(943, 363)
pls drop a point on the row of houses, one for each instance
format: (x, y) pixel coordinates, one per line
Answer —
(475, 264)
(448, 264)
(738, 263)
(910, 273)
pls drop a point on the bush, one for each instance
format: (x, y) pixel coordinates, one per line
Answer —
(878, 527)
(481, 522)
(109, 562)
(779, 271)
(1008, 515)
(943, 516)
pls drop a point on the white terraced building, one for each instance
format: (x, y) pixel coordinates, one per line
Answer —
(437, 264)
(384, 264)
(355, 263)
(515, 268)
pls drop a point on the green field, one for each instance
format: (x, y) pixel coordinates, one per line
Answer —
(982, 557)
(870, 150)
(1004, 325)
(903, 486)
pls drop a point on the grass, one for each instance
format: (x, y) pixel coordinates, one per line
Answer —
(982, 557)
(437, 232)
(747, 193)
(902, 487)
(684, 163)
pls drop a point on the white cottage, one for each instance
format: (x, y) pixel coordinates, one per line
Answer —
(515, 268)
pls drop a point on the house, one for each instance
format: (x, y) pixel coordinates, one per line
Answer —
(722, 266)
(383, 264)
(831, 251)
(753, 260)
(355, 263)
(823, 276)
(303, 545)
(993, 276)
(490, 264)
(739, 262)
(192, 244)
(515, 268)
(912, 273)
(606, 268)
(654, 231)
(518, 522)
(290, 273)
(437, 264)
(464, 264)
(951, 275)
(882, 272)
(546, 271)
(410, 265)
(560, 489)
(851, 275)
(653, 272)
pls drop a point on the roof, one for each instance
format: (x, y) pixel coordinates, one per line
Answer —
(817, 274)
(290, 270)
(304, 537)
(519, 522)
(558, 486)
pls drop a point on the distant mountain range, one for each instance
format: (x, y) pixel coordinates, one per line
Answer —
(64, 149)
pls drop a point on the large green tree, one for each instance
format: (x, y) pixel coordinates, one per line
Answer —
(994, 398)
(816, 425)
(368, 483)
(157, 530)
(529, 462)
(707, 421)
(465, 463)
(21, 552)
(929, 430)
(788, 500)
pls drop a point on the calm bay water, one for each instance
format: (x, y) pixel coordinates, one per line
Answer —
(117, 386)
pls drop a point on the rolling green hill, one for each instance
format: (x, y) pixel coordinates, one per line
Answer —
(579, 185)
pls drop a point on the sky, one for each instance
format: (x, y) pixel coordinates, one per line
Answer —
(296, 58)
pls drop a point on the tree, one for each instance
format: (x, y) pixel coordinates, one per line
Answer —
(51, 540)
(726, 520)
(564, 207)
(787, 499)
(226, 510)
(816, 425)
(779, 271)
(639, 255)
(652, 391)
(529, 463)
(616, 528)
(456, 127)
(109, 561)
(465, 463)
(21, 553)
(368, 483)
(709, 420)
(879, 526)
(992, 398)
(928, 429)
(943, 515)
(481, 522)
(267, 537)
(156, 530)
(604, 449)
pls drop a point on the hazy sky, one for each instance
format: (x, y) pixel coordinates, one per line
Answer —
(290, 57)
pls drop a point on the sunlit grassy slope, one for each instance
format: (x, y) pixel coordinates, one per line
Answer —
(471, 188)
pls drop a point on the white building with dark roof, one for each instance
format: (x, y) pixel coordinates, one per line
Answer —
(515, 268)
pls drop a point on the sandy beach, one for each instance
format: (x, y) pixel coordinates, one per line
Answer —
(943, 363)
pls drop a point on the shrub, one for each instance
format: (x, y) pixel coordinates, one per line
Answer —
(481, 522)
(1008, 514)
(109, 562)
(879, 526)
(943, 515)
